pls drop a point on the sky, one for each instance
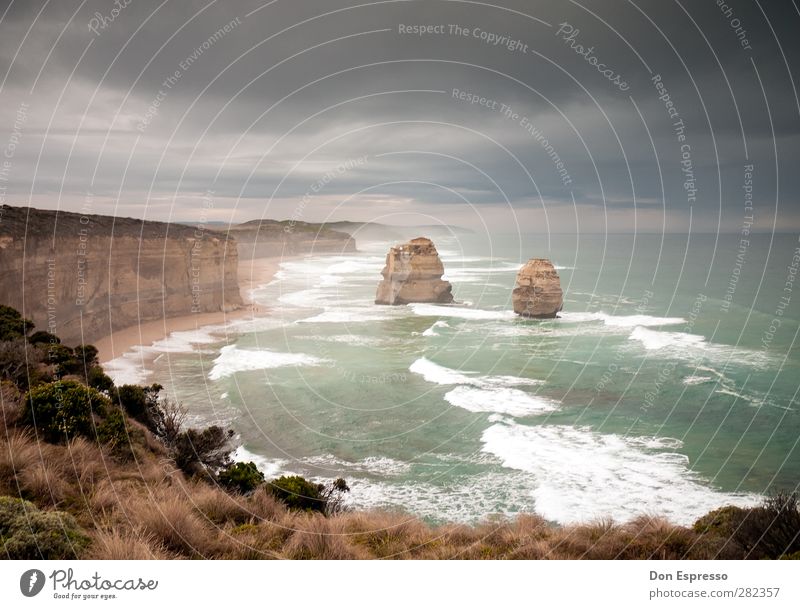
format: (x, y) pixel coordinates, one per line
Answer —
(556, 116)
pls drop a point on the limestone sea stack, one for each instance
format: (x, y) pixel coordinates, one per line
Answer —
(538, 290)
(413, 273)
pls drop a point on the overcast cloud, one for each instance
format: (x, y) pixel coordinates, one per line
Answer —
(320, 110)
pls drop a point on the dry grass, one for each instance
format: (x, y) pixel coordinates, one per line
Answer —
(319, 538)
(170, 520)
(145, 509)
(217, 506)
(117, 544)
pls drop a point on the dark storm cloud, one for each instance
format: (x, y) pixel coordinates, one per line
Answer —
(260, 106)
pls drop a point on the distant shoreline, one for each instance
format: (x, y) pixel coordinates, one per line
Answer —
(252, 274)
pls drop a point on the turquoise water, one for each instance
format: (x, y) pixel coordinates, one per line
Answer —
(649, 395)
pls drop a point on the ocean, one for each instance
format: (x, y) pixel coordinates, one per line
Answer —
(667, 386)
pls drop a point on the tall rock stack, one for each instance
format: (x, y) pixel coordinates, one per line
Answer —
(413, 273)
(538, 290)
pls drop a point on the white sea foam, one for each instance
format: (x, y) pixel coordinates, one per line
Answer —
(434, 373)
(429, 310)
(271, 468)
(500, 400)
(355, 265)
(619, 321)
(130, 368)
(308, 298)
(186, 342)
(441, 375)
(381, 466)
(695, 348)
(349, 339)
(327, 281)
(127, 369)
(432, 330)
(581, 475)
(277, 277)
(464, 499)
(696, 379)
(338, 316)
(232, 359)
(653, 339)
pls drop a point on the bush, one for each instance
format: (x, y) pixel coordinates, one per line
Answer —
(241, 477)
(170, 416)
(334, 493)
(18, 362)
(86, 355)
(771, 530)
(113, 432)
(62, 410)
(41, 338)
(298, 493)
(99, 380)
(12, 324)
(27, 533)
(58, 354)
(202, 452)
(141, 403)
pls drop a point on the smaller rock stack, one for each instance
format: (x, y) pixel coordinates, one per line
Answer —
(413, 273)
(538, 290)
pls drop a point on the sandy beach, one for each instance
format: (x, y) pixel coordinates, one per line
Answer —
(252, 273)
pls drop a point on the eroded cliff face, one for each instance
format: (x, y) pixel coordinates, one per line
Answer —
(538, 291)
(413, 273)
(84, 276)
(268, 238)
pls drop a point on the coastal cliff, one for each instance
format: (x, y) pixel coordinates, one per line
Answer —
(413, 273)
(83, 276)
(267, 238)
